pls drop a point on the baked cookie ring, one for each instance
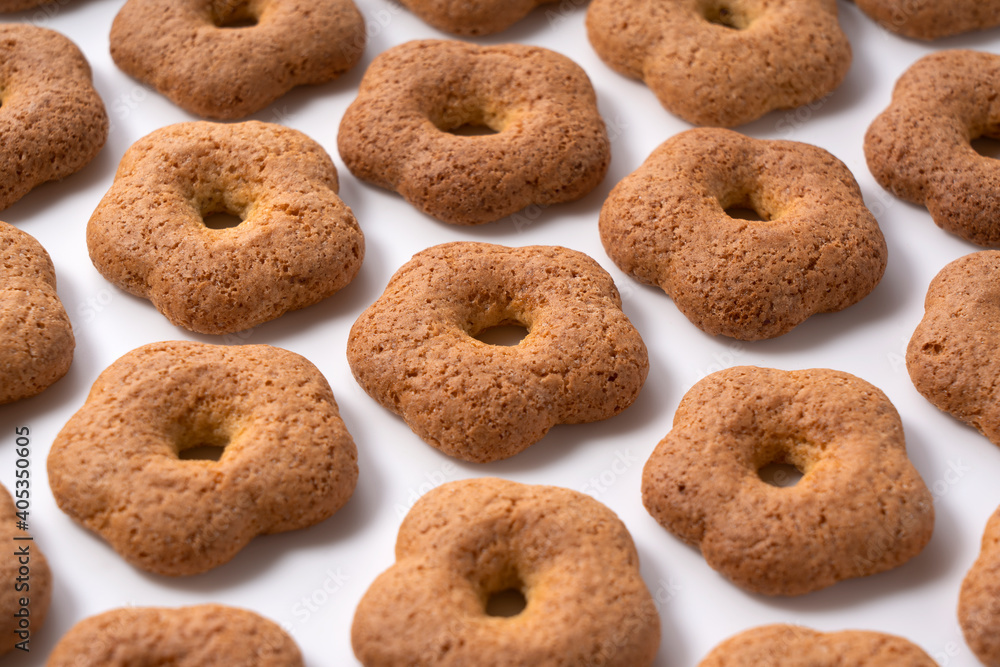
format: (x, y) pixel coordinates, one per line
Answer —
(818, 248)
(860, 507)
(783, 645)
(724, 62)
(118, 466)
(415, 352)
(207, 635)
(229, 58)
(945, 356)
(932, 20)
(297, 244)
(24, 603)
(36, 337)
(465, 17)
(570, 557)
(52, 121)
(979, 600)
(550, 146)
(919, 147)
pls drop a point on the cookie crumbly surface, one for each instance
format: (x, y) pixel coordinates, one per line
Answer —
(52, 121)
(287, 460)
(724, 63)
(226, 59)
(208, 635)
(297, 244)
(415, 349)
(20, 549)
(978, 610)
(818, 248)
(570, 556)
(859, 509)
(550, 144)
(36, 337)
(932, 20)
(472, 17)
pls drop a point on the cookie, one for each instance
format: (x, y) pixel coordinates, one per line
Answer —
(550, 143)
(52, 122)
(860, 507)
(794, 646)
(724, 63)
(932, 20)
(979, 600)
(570, 557)
(919, 147)
(208, 635)
(119, 466)
(818, 248)
(415, 350)
(472, 17)
(26, 596)
(946, 356)
(296, 244)
(36, 337)
(227, 59)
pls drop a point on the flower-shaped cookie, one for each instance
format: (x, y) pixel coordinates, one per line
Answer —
(817, 249)
(950, 355)
(724, 63)
(121, 468)
(297, 242)
(415, 350)
(229, 58)
(979, 600)
(483, 17)
(36, 337)
(860, 507)
(52, 121)
(794, 646)
(208, 635)
(464, 542)
(919, 147)
(932, 20)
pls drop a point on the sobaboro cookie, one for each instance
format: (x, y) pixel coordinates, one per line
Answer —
(549, 144)
(296, 243)
(52, 122)
(271, 453)
(472, 17)
(724, 63)
(36, 337)
(226, 59)
(817, 248)
(859, 509)
(932, 20)
(569, 556)
(208, 635)
(979, 599)
(782, 645)
(415, 350)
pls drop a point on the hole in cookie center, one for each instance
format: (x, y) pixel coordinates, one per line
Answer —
(233, 14)
(472, 130)
(201, 452)
(722, 14)
(506, 603)
(780, 474)
(987, 147)
(505, 335)
(221, 220)
(745, 213)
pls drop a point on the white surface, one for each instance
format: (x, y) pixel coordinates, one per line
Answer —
(311, 580)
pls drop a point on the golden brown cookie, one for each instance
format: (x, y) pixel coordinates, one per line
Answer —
(229, 58)
(36, 337)
(724, 63)
(415, 349)
(817, 249)
(918, 148)
(860, 507)
(550, 143)
(464, 542)
(472, 17)
(979, 600)
(121, 465)
(208, 635)
(932, 20)
(27, 579)
(18, 5)
(52, 121)
(794, 646)
(947, 355)
(297, 244)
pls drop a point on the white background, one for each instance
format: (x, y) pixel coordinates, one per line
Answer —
(311, 580)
